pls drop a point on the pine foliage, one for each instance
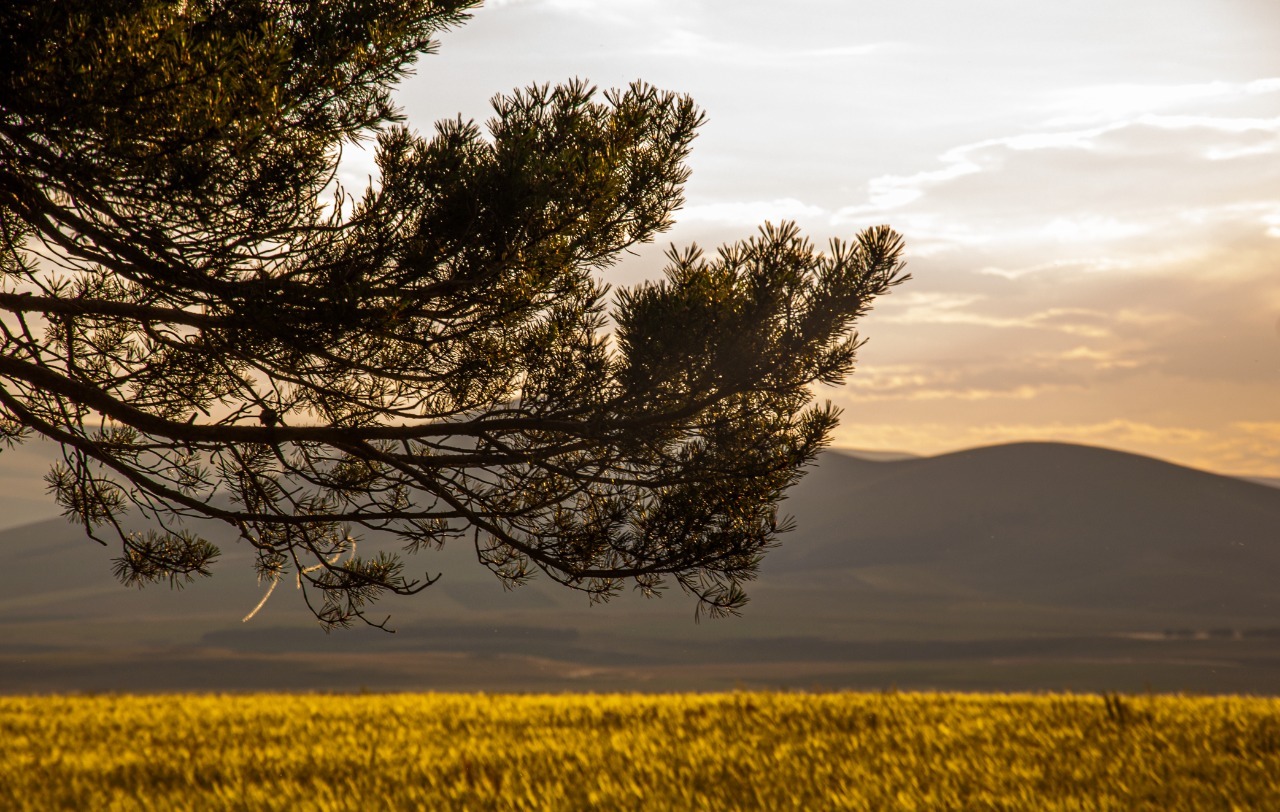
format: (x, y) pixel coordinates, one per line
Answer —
(212, 328)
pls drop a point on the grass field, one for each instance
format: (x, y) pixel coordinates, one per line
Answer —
(685, 751)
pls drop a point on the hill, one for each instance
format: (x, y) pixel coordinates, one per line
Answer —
(1031, 565)
(1069, 527)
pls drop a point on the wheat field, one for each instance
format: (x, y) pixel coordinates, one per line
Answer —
(865, 751)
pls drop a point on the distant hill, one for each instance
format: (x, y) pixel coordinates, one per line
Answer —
(1047, 524)
(1030, 565)
(24, 497)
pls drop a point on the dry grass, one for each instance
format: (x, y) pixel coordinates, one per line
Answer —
(685, 751)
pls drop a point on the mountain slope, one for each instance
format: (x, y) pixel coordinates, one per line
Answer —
(1031, 552)
(1050, 523)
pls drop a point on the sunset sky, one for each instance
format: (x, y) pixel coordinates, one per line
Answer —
(1089, 191)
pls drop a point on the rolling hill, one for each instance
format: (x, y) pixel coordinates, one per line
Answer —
(1030, 565)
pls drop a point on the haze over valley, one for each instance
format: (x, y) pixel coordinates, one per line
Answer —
(1022, 566)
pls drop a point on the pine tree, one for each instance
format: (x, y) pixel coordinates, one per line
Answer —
(213, 329)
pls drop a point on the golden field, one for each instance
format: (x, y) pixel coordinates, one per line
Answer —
(684, 751)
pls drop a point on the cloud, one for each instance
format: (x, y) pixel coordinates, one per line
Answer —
(1112, 284)
(1022, 391)
(1108, 102)
(1147, 262)
(955, 308)
(572, 19)
(889, 192)
(1093, 260)
(1100, 360)
(1268, 431)
(1102, 183)
(1091, 229)
(692, 45)
(594, 7)
(752, 213)
(918, 382)
(1017, 374)
(1083, 264)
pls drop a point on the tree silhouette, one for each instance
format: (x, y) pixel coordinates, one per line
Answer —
(212, 328)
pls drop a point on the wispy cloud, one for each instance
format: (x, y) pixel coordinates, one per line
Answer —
(959, 309)
(1097, 359)
(752, 213)
(1268, 431)
(592, 6)
(1183, 139)
(1094, 258)
(693, 45)
(917, 382)
(1084, 264)
(1018, 374)
(570, 14)
(1024, 391)
(1124, 100)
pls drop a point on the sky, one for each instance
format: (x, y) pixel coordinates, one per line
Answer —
(1089, 194)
